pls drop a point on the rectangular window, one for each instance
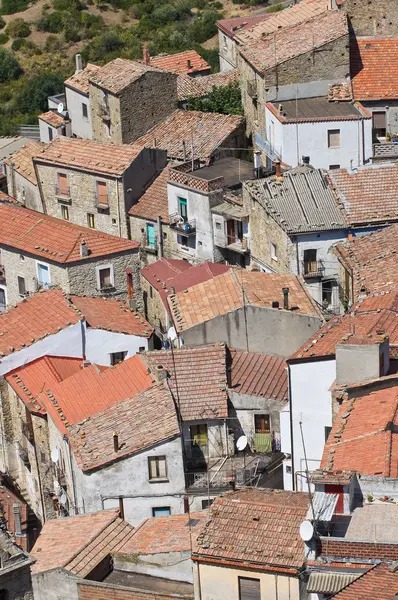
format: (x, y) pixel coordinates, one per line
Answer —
(64, 212)
(334, 138)
(262, 424)
(379, 123)
(150, 291)
(157, 467)
(107, 127)
(50, 134)
(199, 435)
(17, 518)
(327, 433)
(102, 193)
(310, 261)
(249, 589)
(43, 275)
(183, 209)
(84, 110)
(62, 184)
(184, 240)
(90, 221)
(118, 357)
(150, 235)
(331, 167)
(274, 251)
(206, 504)
(105, 278)
(21, 286)
(327, 293)
(161, 511)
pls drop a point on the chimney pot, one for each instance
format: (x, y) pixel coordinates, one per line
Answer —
(84, 249)
(277, 164)
(115, 442)
(189, 64)
(147, 56)
(79, 64)
(285, 291)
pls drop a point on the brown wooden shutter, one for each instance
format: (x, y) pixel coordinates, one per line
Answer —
(63, 187)
(379, 120)
(249, 589)
(102, 193)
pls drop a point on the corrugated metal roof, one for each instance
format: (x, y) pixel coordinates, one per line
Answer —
(300, 201)
(329, 583)
(323, 505)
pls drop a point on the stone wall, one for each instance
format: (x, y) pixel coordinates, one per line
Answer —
(372, 17)
(23, 190)
(138, 233)
(17, 583)
(139, 107)
(154, 309)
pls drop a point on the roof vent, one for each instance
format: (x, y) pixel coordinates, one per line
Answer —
(161, 372)
(115, 442)
(306, 160)
(84, 251)
(275, 304)
(368, 46)
(189, 64)
(285, 291)
(79, 64)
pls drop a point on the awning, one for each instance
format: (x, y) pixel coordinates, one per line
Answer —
(329, 583)
(324, 506)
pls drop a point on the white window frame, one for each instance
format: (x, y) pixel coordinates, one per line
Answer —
(43, 264)
(4, 288)
(334, 131)
(97, 273)
(274, 254)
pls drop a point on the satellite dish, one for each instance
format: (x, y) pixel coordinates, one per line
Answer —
(55, 454)
(60, 108)
(241, 443)
(172, 334)
(306, 531)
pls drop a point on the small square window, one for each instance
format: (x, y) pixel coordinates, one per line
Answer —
(118, 357)
(150, 291)
(161, 511)
(157, 467)
(105, 278)
(21, 257)
(184, 241)
(84, 110)
(288, 469)
(90, 221)
(206, 504)
(141, 349)
(64, 213)
(218, 225)
(113, 221)
(331, 167)
(274, 251)
(21, 286)
(334, 138)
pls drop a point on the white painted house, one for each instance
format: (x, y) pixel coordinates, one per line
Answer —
(326, 134)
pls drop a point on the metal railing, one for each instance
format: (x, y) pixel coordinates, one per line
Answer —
(177, 223)
(313, 268)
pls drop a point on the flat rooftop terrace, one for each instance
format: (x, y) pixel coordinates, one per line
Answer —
(232, 169)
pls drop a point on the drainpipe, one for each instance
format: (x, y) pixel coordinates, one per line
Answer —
(12, 180)
(66, 440)
(160, 238)
(363, 141)
(118, 208)
(291, 426)
(43, 508)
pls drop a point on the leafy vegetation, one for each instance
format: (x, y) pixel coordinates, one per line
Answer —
(9, 7)
(17, 28)
(222, 99)
(9, 66)
(3, 38)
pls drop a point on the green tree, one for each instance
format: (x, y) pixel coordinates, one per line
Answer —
(33, 97)
(18, 28)
(222, 99)
(9, 66)
(53, 23)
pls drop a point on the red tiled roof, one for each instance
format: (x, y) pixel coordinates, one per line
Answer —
(374, 70)
(55, 239)
(223, 294)
(379, 583)
(104, 313)
(197, 87)
(183, 280)
(257, 374)
(39, 375)
(53, 118)
(79, 543)
(372, 260)
(289, 42)
(259, 527)
(86, 155)
(165, 534)
(183, 62)
(23, 160)
(365, 422)
(368, 195)
(201, 390)
(154, 201)
(146, 419)
(366, 318)
(164, 270)
(235, 25)
(94, 389)
(93, 590)
(116, 75)
(80, 81)
(339, 92)
(208, 130)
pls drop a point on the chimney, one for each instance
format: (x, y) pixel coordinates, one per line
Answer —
(115, 442)
(173, 290)
(84, 251)
(161, 373)
(306, 160)
(285, 291)
(147, 56)
(277, 164)
(275, 304)
(79, 64)
(189, 64)
(257, 163)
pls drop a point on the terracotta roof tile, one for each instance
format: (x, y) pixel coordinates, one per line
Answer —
(372, 260)
(55, 239)
(337, 476)
(379, 582)
(257, 374)
(114, 315)
(92, 590)
(339, 92)
(298, 13)
(39, 375)
(197, 87)
(368, 195)
(53, 118)
(223, 294)
(374, 70)
(110, 159)
(94, 389)
(80, 81)
(67, 542)
(201, 390)
(165, 534)
(286, 43)
(164, 270)
(183, 62)
(366, 318)
(143, 420)
(232, 27)
(154, 202)
(260, 527)
(208, 130)
(118, 74)
(23, 160)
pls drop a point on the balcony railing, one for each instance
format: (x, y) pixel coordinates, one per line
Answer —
(150, 245)
(271, 151)
(183, 227)
(385, 151)
(241, 245)
(313, 268)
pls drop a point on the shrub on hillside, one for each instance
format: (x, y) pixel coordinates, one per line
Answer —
(2, 23)
(53, 23)
(3, 38)
(17, 28)
(9, 7)
(9, 66)
(37, 89)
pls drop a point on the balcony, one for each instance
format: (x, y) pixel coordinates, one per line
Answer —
(178, 224)
(242, 246)
(313, 268)
(385, 151)
(150, 246)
